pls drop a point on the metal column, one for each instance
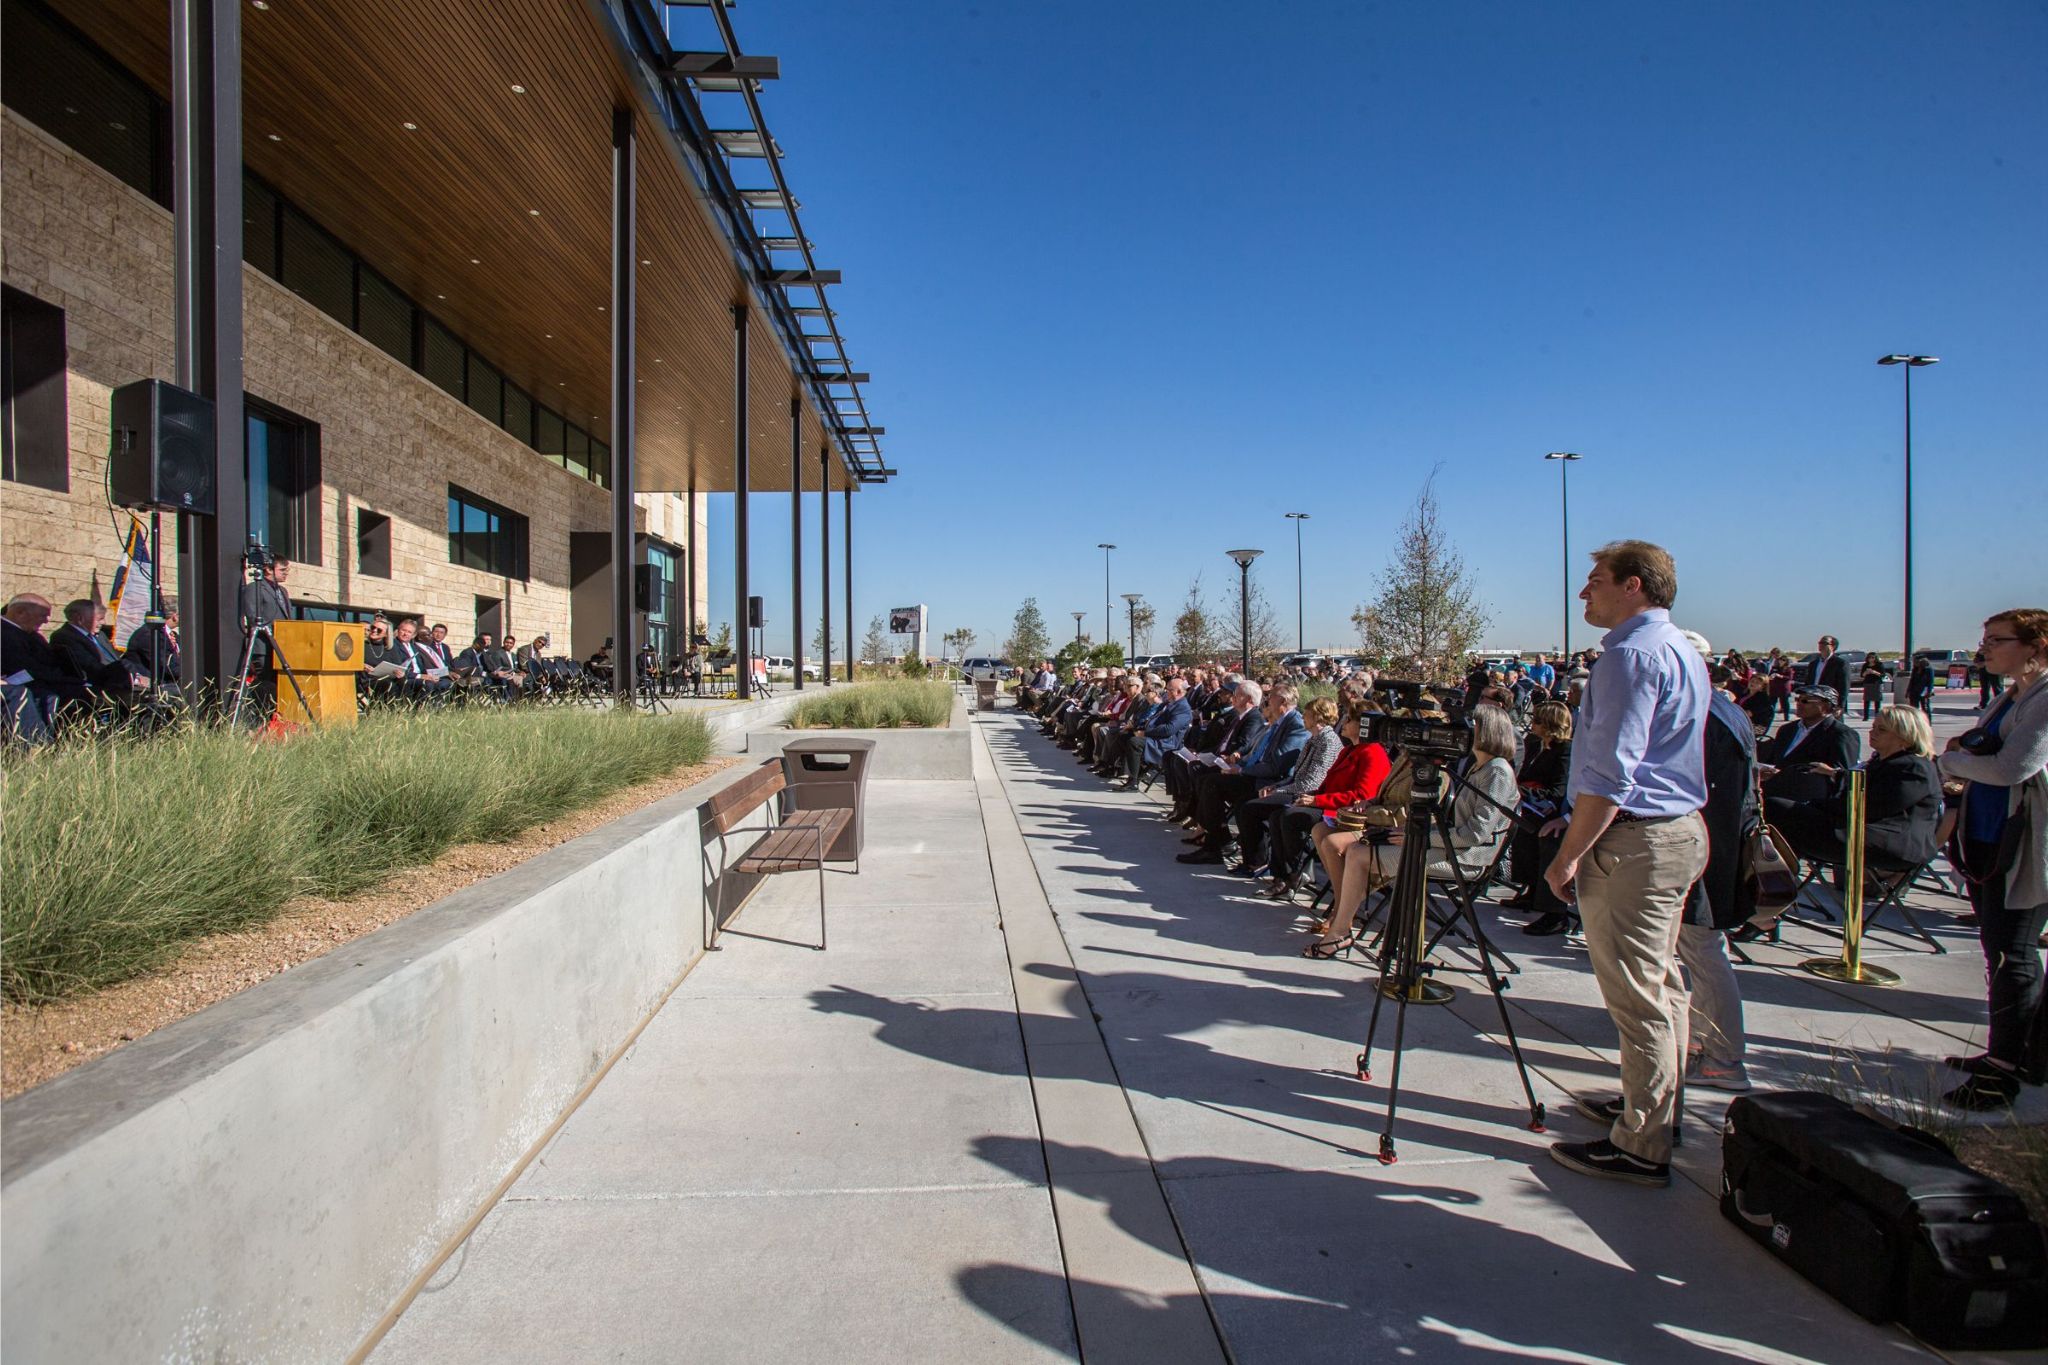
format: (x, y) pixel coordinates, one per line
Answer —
(690, 573)
(796, 540)
(849, 580)
(206, 150)
(625, 649)
(825, 561)
(742, 641)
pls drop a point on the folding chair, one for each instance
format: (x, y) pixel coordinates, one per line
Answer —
(1891, 888)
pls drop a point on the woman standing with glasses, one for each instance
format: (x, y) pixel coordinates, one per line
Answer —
(2002, 837)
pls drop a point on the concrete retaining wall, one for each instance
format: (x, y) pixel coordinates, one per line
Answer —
(260, 1181)
(900, 755)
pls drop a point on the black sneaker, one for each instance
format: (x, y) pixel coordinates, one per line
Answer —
(1609, 1162)
(1600, 1111)
(1979, 1065)
(1983, 1094)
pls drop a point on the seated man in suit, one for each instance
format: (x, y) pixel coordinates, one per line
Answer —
(1801, 761)
(1163, 732)
(153, 646)
(80, 641)
(1228, 733)
(1269, 763)
(35, 680)
(1901, 802)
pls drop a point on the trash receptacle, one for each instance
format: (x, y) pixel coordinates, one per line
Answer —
(985, 693)
(829, 774)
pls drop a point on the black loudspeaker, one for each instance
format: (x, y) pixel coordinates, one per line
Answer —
(754, 615)
(162, 453)
(643, 587)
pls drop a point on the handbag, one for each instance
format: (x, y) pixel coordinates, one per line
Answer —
(1768, 863)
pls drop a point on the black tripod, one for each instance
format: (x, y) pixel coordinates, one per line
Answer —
(251, 633)
(1405, 970)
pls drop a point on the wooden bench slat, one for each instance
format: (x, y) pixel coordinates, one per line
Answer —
(731, 806)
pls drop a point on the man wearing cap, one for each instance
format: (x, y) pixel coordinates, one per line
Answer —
(1633, 846)
(1800, 762)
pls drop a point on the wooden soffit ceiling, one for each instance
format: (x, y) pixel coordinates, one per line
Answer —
(493, 210)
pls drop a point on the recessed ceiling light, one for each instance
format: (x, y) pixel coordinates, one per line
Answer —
(260, 4)
(412, 127)
(549, 335)
(474, 261)
(440, 296)
(533, 213)
(600, 308)
(643, 262)
(275, 138)
(518, 89)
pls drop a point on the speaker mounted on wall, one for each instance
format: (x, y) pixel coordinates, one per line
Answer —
(163, 448)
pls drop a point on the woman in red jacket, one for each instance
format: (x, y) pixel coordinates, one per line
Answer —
(1355, 776)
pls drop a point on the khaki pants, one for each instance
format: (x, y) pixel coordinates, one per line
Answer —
(1632, 887)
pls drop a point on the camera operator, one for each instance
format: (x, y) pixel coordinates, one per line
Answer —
(1633, 846)
(263, 602)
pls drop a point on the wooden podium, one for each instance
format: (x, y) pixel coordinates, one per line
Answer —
(326, 657)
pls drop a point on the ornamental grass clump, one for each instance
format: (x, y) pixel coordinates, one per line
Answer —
(115, 855)
(877, 706)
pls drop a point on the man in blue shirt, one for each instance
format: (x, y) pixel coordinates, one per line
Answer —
(1633, 846)
(1542, 674)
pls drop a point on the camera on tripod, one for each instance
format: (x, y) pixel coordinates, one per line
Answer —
(1431, 738)
(258, 556)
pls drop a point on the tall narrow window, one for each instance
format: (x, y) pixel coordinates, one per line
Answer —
(281, 461)
(317, 269)
(34, 428)
(383, 315)
(486, 389)
(441, 357)
(373, 544)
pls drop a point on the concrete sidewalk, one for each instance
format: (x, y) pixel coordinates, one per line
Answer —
(1051, 1095)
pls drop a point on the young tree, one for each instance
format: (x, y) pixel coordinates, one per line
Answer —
(818, 644)
(1143, 620)
(1194, 632)
(1028, 642)
(1428, 609)
(958, 642)
(721, 643)
(1110, 655)
(874, 648)
(1266, 642)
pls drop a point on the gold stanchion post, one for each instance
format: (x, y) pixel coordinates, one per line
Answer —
(1850, 966)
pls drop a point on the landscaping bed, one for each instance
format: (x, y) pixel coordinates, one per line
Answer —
(891, 705)
(119, 856)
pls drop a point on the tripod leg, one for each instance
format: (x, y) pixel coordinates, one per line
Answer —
(242, 677)
(1498, 985)
(289, 676)
(1372, 1027)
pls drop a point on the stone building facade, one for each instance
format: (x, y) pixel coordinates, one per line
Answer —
(392, 446)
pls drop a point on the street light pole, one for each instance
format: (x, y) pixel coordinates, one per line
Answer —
(1132, 599)
(1901, 687)
(1564, 494)
(1105, 547)
(1244, 560)
(1077, 626)
(1300, 635)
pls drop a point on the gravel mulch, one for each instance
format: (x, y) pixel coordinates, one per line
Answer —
(38, 1042)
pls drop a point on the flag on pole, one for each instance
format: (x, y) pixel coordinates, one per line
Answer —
(132, 583)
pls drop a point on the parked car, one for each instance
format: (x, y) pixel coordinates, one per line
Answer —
(979, 670)
(1943, 659)
(1152, 662)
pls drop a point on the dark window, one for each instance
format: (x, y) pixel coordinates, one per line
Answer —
(486, 388)
(383, 315)
(259, 225)
(35, 437)
(281, 461)
(64, 85)
(323, 611)
(548, 434)
(661, 564)
(576, 453)
(519, 413)
(601, 463)
(373, 544)
(483, 535)
(441, 357)
(317, 269)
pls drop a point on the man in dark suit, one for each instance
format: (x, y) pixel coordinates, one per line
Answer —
(1232, 731)
(153, 647)
(79, 640)
(1829, 668)
(1164, 730)
(264, 601)
(35, 680)
(1268, 763)
(1801, 761)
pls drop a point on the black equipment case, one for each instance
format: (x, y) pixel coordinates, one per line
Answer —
(1886, 1220)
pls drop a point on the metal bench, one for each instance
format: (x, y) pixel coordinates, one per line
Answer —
(793, 843)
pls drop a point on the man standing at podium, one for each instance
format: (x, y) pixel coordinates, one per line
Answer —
(263, 603)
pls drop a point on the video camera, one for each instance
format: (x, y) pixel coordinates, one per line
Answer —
(258, 556)
(1432, 738)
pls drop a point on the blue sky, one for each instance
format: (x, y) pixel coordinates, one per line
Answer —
(1158, 274)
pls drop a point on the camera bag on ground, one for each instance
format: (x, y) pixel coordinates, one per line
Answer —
(1886, 1220)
